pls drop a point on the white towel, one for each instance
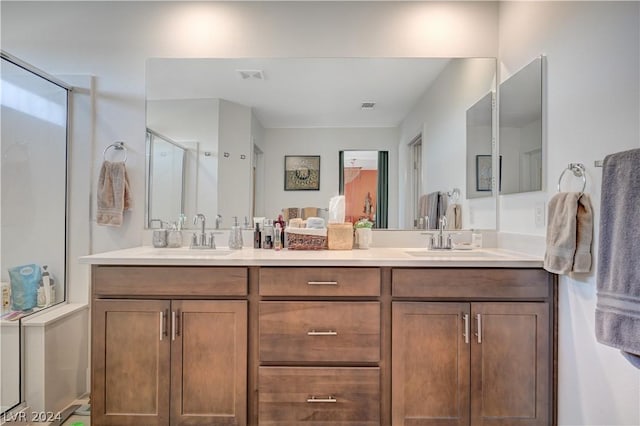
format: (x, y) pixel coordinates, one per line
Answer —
(114, 194)
(454, 216)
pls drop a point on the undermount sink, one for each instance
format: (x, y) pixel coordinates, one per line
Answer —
(454, 253)
(186, 252)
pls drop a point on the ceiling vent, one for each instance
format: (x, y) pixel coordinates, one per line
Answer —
(368, 105)
(250, 74)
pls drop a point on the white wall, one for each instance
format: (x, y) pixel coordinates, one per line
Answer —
(593, 109)
(326, 143)
(234, 138)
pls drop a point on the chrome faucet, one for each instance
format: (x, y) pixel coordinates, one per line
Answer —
(218, 221)
(440, 241)
(200, 241)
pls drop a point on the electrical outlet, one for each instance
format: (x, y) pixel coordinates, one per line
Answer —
(539, 214)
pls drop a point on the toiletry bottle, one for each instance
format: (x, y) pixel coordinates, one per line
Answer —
(257, 237)
(41, 301)
(476, 239)
(280, 221)
(6, 297)
(268, 242)
(235, 236)
(174, 237)
(47, 285)
(267, 233)
(277, 238)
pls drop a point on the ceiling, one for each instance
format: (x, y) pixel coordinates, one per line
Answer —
(302, 92)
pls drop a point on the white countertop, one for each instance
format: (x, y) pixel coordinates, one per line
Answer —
(398, 257)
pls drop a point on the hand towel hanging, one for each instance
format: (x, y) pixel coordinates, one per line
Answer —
(114, 193)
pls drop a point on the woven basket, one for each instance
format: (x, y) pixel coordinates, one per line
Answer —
(306, 242)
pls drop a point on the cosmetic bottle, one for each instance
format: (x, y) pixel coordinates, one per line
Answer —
(257, 237)
(47, 286)
(476, 239)
(277, 237)
(280, 221)
(267, 234)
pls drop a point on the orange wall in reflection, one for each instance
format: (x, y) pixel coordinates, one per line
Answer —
(355, 192)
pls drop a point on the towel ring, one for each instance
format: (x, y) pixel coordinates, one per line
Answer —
(578, 171)
(118, 146)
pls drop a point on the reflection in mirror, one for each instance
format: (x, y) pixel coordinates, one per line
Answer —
(479, 148)
(165, 187)
(521, 130)
(364, 184)
(268, 109)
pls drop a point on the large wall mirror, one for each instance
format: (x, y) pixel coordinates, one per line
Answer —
(235, 121)
(521, 130)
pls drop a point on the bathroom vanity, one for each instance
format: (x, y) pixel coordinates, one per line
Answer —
(369, 337)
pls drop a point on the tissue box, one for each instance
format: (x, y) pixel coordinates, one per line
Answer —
(340, 236)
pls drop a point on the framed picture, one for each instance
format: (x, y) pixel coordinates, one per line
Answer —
(484, 174)
(301, 172)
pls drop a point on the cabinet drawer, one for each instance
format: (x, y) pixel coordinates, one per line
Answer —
(168, 281)
(319, 331)
(471, 283)
(319, 282)
(319, 396)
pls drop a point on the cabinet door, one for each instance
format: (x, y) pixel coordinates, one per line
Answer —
(430, 364)
(130, 363)
(209, 363)
(510, 364)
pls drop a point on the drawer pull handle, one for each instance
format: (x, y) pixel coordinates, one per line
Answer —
(322, 282)
(317, 399)
(466, 328)
(161, 325)
(479, 333)
(322, 333)
(173, 325)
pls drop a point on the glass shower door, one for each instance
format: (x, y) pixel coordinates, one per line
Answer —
(33, 195)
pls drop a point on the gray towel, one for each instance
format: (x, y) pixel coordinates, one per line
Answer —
(432, 209)
(114, 194)
(618, 280)
(569, 233)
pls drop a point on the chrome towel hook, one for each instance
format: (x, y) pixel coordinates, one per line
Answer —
(578, 170)
(118, 146)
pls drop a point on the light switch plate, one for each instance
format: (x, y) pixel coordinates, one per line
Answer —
(539, 214)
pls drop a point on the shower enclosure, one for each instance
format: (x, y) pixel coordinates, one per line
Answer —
(33, 212)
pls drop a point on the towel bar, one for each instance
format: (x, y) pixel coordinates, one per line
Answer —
(118, 146)
(578, 170)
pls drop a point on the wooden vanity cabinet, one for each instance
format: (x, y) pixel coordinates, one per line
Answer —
(483, 361)
(160, 360)
(319, 352)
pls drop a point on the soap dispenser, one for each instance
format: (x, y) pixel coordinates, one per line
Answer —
(235, 236)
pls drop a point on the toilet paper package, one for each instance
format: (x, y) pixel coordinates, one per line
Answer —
(337, 209)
